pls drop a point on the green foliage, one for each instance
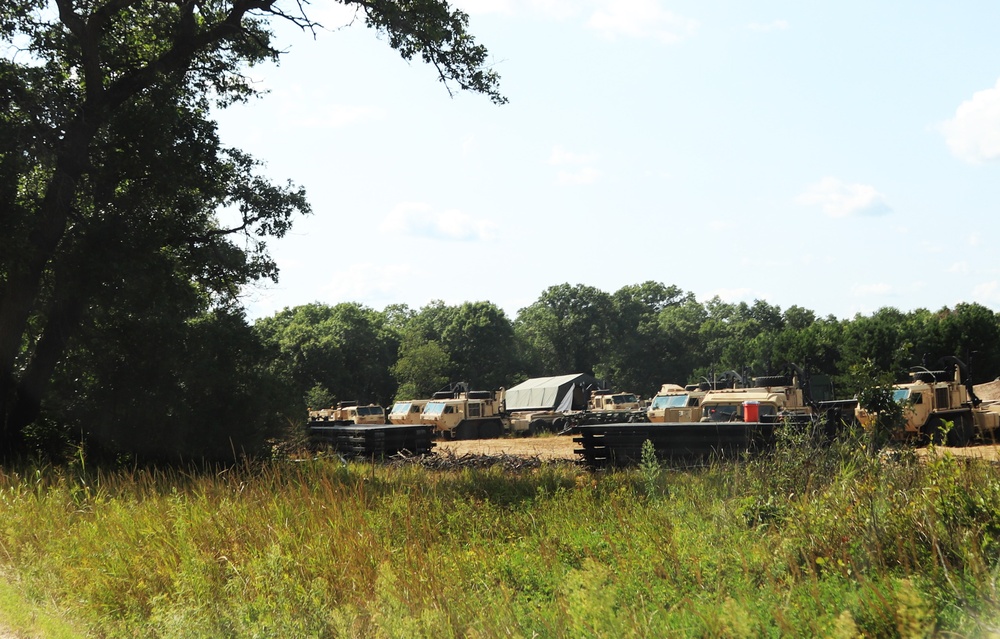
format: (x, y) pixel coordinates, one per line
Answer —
(567, 330)
(342, 351)
(875, 396)
(122, 204)
(649, 468)
(764, 547)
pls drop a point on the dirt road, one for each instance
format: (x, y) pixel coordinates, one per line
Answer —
(561, 447)
(548, 448)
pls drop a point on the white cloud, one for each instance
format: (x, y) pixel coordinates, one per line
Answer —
(975, 239)
(776, 25)
(335, 116)
(558, 9)
(973, 134)
(959, 267)
(732, 295)
(640, 19)
(840, 199)
(987, 292)
(586, 175)
(561, 156)
(868, 290)
(366, 280)
(421, 220)
(334, 15)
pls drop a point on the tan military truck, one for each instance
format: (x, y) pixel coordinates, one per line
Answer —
(533, 422)
(461, 413)
(608, 401)
(771, 399)
(676, 404)
(407, 412)
(932, 398)
(349, 413)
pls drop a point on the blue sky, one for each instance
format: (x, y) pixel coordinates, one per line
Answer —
(836, 156)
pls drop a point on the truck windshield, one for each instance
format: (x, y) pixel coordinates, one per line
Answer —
(433, 408)
(400, 407)
(669, 401)
(369, 410)
(624, 399)
(901, 395)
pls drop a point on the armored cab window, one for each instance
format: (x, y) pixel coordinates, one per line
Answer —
(449, 409)
(941, 397)
(474, 410)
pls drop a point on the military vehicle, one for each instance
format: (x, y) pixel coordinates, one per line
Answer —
(676, 404)
(771, 399)
(349, 413)
(407, 412)
(933, 397)
(460, 413)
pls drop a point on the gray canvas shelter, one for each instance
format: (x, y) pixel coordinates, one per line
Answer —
(561, 393)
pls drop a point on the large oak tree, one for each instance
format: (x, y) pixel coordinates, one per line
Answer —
(112, 174)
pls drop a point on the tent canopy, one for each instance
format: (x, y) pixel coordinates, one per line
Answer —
(562, 392)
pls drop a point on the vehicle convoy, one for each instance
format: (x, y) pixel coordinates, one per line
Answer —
(460, 413)
(933, 397)
(349, 413)
(407, 412)
(726, 420)
(675, 404)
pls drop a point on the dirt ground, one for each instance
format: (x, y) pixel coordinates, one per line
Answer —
(548, 448)
(561, 447)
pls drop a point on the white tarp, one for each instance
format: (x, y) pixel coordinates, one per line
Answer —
(547, 393)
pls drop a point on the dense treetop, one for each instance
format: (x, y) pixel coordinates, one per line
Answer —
(635, 339)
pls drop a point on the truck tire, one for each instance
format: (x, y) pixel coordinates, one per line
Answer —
(932, 431)
(491, 429)
(538, 426)
(962, 432)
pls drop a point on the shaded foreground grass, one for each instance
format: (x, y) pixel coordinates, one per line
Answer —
(808, 542)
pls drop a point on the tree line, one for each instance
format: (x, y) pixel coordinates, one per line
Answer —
(635, 339)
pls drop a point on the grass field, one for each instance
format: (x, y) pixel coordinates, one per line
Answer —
(806, 542)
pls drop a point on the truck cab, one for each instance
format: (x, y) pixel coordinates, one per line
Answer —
(349, 413)
(407, 412)
(762, 403)
(932, 398)
(605, 400)
(464, 414)
(676, 404)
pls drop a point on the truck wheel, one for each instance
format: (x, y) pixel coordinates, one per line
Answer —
(538, 426)
(932, 431)
(961, 433)
(492, 429)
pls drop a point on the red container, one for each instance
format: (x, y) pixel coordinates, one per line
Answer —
(751, 412)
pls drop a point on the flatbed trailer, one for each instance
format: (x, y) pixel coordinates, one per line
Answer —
(372, 440)
(613, 445)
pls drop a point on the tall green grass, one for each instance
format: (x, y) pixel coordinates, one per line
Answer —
(808, 541)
